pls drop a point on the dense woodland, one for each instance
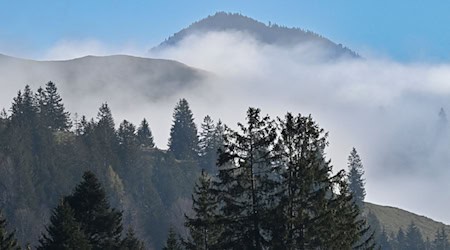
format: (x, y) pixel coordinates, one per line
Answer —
(88, 184)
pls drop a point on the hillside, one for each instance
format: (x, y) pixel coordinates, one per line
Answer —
(93, 79)
(392, 219)
(268, 34)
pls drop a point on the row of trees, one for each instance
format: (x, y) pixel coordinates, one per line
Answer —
(275, 189)
(412, 239)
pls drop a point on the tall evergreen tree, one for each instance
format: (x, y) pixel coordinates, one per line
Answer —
(101, 224)
(131, 242)
(211, 139)
(355, 177)
(414, 239)
(183, 141)
(105, 138)
(400, 242)
(441, 240)
(64, 232)
(172, 242)
(128, 144)
(8, 240)
(202, 226)
(144, 135)
(52, 109)
(245, 181)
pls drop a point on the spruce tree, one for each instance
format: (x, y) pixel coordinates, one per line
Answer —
(355, 177)
(131, 242)
(8, 240)
(202, 226)
(128, 144)
(441, 240)
(106, 141)
(64, 232)
(183, 141)
(245, 180)
(52, 109)
(144, 135)
(208, 145)
(413, 239)
(172, 242)
(101, 224)
(400, 243)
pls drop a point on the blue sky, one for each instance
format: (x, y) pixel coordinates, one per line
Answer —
(403, 30)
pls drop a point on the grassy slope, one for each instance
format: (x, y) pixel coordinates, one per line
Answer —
(393, 218)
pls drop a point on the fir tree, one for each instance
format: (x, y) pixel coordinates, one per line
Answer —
(245, 181)
(211, 139)
(7, 240)
(355, 177)
(202, 226)
(101, 224)
(400, 243)
(441, 240)
(413, 239)
(131, 242)
(183, 141)
(64, 232)
(52, 109)
(172, 242)
(105, 138)
(144, 135)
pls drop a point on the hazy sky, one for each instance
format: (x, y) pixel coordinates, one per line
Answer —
(404, 30)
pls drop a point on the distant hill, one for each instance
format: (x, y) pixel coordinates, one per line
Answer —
(269, 34)
(100, 78)
(392, 219)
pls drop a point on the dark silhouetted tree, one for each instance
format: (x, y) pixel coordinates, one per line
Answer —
(202, 226)
(101, 224)
(144, 135)
(131, 242)
(245, 181)
(52, 109)
(414, 239)
(64, 232)
(183, 141)
(172, 242)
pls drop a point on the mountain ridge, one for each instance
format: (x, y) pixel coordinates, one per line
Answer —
(269, 34)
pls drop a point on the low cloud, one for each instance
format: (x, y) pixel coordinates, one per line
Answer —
(386, 109)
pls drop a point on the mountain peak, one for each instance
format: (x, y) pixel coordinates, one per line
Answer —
(273, 34)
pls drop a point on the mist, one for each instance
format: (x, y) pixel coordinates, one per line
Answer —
(388, 110)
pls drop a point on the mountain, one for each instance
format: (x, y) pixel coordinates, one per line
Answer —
(392, 219)
(268, 34)
(87, 80)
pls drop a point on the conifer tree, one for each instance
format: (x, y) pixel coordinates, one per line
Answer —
(101, 224)
(52, 109)
(355, 177)
(183, 141)
(8, 240)
(64, 232)
(209, 143)
(400, 243)
(172, 242)
(413, 239)
(202, 226)
(441, 240)
(131, 242)
(105, 138)
(128, 143)
(245, 181)
(144, 135)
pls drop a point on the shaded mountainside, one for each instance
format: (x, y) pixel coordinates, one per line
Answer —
(90, 79)
(392, 219)
(268, 34)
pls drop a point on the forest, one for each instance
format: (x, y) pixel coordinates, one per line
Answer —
(79, 183)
